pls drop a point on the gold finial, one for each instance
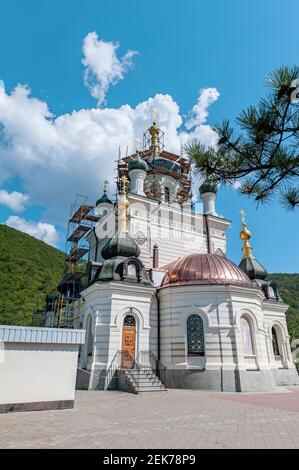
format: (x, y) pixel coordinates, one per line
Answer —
(154, 132)
(245, 235)
(243, 213)
(123, 184)
(122, 206)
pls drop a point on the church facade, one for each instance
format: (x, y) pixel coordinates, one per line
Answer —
(161, 288)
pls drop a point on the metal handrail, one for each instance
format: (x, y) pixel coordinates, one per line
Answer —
(111, 371)
(149, 359)
(121, 359)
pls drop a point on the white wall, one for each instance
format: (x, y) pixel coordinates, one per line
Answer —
(177, 233)
(37, 371)
(220, 308)
(107, 304)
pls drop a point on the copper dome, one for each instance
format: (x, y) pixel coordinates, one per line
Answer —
(204, 269)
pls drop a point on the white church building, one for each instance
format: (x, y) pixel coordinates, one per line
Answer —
(163, 295)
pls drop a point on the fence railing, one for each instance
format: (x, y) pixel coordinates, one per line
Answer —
(123, 360)
(147, 359)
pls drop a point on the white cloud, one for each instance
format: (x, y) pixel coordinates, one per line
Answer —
(15, 201)
(102, 66)
(55, 157)
(40, 230)
(199, 114)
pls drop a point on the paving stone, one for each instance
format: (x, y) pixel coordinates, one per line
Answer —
(181, 419)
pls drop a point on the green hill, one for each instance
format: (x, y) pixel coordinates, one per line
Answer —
(29, 269)
(288, 286)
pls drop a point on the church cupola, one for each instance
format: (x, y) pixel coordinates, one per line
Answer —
(104, 199)
(208, 191)
(121, 244)
(121, 252)
(249, 264)
(137, 169)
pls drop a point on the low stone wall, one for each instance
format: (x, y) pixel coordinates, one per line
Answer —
(231, 380)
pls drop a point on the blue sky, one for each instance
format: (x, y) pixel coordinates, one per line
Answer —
(182, 48)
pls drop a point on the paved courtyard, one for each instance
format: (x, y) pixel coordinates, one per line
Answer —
(174, 419)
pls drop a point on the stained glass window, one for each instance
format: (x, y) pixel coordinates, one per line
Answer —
(195, 335)
(246, 336)
(129, 320)
(275, 343)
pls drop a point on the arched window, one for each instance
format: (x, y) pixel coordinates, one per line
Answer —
(166, 195)
(275, 345)
(195, 335)
(129, 320)
(246, 336)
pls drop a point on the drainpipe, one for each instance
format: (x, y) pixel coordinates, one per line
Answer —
(155, 266)
(159, 333)
(208, 232)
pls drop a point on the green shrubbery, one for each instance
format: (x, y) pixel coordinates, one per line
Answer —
(29, 269)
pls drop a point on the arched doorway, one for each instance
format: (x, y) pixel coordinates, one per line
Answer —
(129, 338)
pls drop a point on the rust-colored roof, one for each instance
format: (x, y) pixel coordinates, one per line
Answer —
(204, 269)
(164, 153)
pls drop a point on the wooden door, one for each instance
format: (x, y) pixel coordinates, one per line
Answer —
(128, 340)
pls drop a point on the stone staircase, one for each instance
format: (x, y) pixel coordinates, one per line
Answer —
(139, 381)
(135, 376)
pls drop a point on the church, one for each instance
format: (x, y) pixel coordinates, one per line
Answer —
(163, 306)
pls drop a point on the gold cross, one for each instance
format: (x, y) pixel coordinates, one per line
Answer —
(154, 112)
(138, 142)
(242, 213)
(106, 184)
(123, 183)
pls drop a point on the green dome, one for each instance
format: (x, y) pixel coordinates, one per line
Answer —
(121, 244)
(208, 187)
(137, 164)
(103, 199)
(253, 268)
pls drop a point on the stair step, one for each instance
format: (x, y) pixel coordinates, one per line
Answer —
(151, 389)
(139, 372)
(148, 382)
(144, 379)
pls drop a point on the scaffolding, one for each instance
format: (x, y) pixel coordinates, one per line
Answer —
(62, 310)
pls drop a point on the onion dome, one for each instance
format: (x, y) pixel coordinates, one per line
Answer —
(103, 199)
(121, 244)
(137, 163)
(249, 264)
(209, 186)
(204, 269)
(253, 268)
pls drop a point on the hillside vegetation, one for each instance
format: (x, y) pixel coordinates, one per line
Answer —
(288, 286)
(29, 269)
